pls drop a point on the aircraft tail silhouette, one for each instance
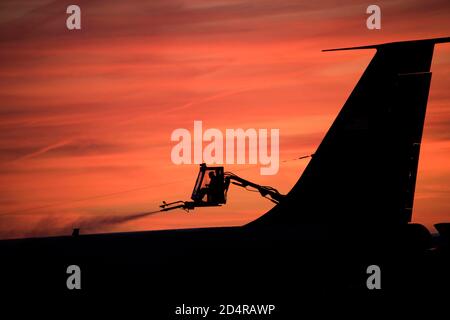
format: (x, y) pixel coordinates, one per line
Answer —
(364, 171)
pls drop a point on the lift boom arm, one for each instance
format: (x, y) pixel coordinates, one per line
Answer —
(268, 192)
(217, 191)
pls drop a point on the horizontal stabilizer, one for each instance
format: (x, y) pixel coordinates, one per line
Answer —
(376, 46)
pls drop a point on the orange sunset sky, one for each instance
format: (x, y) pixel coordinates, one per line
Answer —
(86, 116)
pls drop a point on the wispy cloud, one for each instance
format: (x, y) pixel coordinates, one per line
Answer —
(44, 150)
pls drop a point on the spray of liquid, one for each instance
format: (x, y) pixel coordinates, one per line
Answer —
(98, 222)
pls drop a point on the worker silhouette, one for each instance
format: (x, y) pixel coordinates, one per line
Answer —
(212, 189)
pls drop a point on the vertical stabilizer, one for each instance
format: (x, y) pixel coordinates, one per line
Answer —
(365, 169)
